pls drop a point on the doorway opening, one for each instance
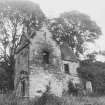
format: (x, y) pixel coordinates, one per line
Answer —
(45, 57)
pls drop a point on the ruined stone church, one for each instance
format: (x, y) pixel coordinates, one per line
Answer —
(42, 63)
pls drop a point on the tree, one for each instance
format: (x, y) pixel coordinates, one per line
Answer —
(3, 78)
(16, 17)
(75, 28)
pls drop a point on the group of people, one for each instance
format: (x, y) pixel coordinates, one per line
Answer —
(78, 90)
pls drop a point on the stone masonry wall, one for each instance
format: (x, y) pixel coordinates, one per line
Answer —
(73, 71)
(50, 75)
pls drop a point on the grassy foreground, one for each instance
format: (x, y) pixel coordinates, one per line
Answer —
(52, 100)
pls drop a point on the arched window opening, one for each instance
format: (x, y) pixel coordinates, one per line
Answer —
(45, 57)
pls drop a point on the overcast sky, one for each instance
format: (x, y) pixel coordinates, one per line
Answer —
(93, 8)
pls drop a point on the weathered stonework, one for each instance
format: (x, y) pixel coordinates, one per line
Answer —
(39, 64)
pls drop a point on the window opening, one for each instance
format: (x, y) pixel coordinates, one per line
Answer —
(66, 68)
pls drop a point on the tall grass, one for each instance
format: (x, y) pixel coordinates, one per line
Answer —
(10, 99)
(48, 99)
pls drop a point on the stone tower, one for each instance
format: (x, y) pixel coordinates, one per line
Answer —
(41, 63)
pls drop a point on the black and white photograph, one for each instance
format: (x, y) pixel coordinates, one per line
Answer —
(52, 52)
